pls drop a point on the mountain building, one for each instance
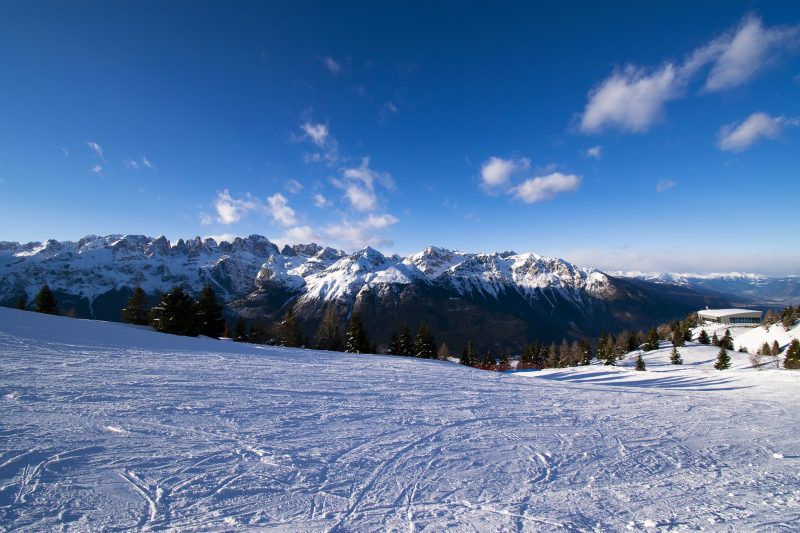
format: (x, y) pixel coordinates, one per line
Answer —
(739, 317)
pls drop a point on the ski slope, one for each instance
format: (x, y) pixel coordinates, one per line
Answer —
(107, 426)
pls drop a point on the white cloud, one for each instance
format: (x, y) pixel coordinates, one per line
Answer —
(631, 100)
(293, 186)
(319, 134)
(496, 172)
(747, 51)
(595, 152)
(299, 234)
(95, 148)
(320, 200)
(132, 164)
(97, 169)
(231, 210)
(280, 211)
(387, 110)
(544, 188)
(363, 232)
(205, 218)
(664, 185)
(331, 64)
(497, 176)
(358, 184)
(736, 137)
(361, 198)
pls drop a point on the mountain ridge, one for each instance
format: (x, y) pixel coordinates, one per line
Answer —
(495, 295)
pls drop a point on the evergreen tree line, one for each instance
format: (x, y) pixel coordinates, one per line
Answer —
(178, 313)
(788, 317)
(45, 302)
(423, 345)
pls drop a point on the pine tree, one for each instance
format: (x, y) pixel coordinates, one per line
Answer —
(564, 354)
(792, 359)
(552, 356)
(210, 318)
(586, 352)
(443, 353)
(776, 349)
(703, 338)
(425, 345)
(652, 340)
(633, 342)
(328, 335)
(770, 318)
(394, 344)
(175, 314)
(135, 310)
(601, 347)
(723, 359)
(468, 355)
(675, 357)
(764, 350)
(45, 301)
(357, 341)
(727, 340)
(22, 302)
(715, 339)
(525, 358)
(240, 330)
(678, 338)
(406, 342)
(504, 363)
(640, 363)
(289, 331)
(488, 362)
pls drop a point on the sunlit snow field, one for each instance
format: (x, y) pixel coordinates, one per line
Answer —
(110, 426)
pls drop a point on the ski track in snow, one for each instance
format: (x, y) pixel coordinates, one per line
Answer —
(108, 427)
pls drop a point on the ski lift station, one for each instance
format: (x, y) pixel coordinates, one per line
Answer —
(741, 317)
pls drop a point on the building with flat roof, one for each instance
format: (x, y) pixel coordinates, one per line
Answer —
(739, 317)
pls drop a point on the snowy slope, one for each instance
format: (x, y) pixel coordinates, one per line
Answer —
(752, 338)
(105, 426)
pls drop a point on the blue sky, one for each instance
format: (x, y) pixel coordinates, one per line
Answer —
(639, 136)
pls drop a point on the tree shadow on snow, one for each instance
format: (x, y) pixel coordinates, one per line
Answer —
(689, 383)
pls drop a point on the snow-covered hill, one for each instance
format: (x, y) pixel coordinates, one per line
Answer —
(106, 427)
(752, 339)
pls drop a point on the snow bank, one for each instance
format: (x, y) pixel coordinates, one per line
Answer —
(106, 426)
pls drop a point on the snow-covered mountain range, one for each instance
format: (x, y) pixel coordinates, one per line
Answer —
(516, 295)
(739, 287)
(95, 265)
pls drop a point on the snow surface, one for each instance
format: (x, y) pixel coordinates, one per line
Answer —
(752, 338)
(107, 426)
